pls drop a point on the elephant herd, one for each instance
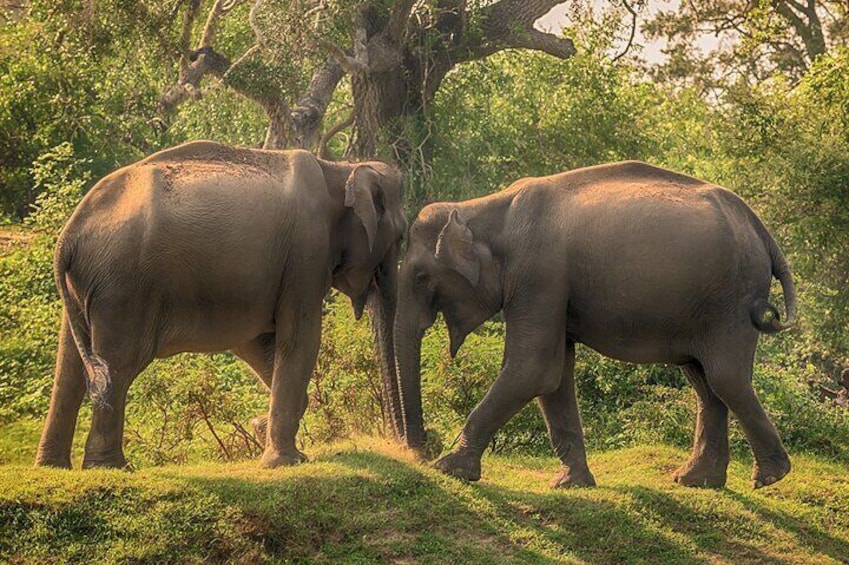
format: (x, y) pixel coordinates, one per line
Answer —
(205, 247)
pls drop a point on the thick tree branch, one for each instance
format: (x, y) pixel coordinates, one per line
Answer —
(398, 20)
(202, 61)
(307, 114)
(540, 41)
(510, 23)
(186, 33)
(328, 135)
(220, 8)
(809, 31)
(348, 63)
(516, 13)
(195, 64)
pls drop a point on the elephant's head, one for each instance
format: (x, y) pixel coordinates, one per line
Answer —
(371, 229)
(369, 233)
(448, 268)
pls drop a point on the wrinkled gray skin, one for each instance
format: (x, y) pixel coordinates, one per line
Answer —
(637, 262)
(205, 248)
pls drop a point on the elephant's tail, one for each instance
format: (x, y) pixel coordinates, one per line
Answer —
(764, 315)
(98, 381)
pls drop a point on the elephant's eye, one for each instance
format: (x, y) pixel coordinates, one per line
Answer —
(421, 278)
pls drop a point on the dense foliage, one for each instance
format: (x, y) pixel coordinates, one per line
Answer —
(66, 119)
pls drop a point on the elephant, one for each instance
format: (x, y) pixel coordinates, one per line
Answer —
(639, 263)
(205, 248)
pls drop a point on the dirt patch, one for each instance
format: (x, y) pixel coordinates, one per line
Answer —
(12, 238)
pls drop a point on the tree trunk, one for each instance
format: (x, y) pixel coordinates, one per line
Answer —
(379, 104)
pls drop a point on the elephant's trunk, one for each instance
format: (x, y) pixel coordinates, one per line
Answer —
(382, 304)
(408, 348)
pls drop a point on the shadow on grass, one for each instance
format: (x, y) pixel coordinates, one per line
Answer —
(376, 507)
(820, 541)
(363, 506)
(385, 509)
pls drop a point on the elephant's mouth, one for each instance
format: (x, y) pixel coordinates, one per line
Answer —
(351, 286)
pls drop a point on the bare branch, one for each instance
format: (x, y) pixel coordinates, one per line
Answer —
(245, 56)
(203, 61)
(545, 42)
(350, 64)
(633, 13)
(329, 134)
(220, 8)
(260, 37)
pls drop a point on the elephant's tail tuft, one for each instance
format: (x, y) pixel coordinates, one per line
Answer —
(766, 317)
(98, 382)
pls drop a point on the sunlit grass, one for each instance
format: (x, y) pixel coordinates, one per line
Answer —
(367, 500)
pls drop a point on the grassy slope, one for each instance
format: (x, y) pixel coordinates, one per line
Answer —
(366, 501)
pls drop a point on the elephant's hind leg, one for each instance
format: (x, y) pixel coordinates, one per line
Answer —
(729, 375)
(560, 410)
(259, 355)
(54, 449)
(126, 348)
(709, 459)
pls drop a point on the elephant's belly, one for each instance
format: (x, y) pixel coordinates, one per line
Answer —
(639, 350)
(213, 329)
(638, 337)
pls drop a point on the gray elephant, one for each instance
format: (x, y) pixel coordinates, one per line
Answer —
(639, 263)
(205, 248)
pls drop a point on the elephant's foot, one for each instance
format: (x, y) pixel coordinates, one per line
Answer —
(770, 470)
(260, 426)
(45, 459)
(272, 458)
(702, 472)
(462, 466)
(568, 477)
(117, 461)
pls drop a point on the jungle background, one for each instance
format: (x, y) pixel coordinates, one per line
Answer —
(465, 97)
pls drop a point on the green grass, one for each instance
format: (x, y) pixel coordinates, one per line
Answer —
(367, 501)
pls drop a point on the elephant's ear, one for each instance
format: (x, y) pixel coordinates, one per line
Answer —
(456, 248)
(361, 189)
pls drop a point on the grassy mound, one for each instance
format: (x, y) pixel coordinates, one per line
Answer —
(367, 501)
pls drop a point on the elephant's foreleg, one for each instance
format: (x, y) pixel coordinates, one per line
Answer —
(69, 388)
(709, 459)
(533, 366)
(298, 337)
(563, 420)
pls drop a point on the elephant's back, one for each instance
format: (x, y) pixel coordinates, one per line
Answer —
(643, 255)
(168, 221)
(201, 191)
